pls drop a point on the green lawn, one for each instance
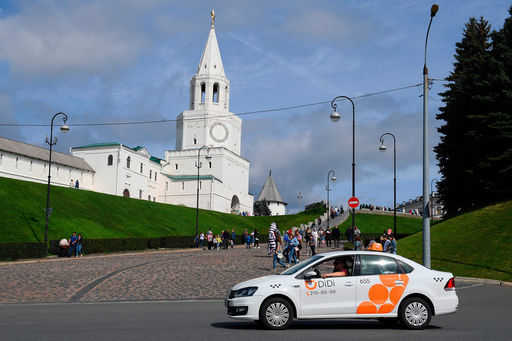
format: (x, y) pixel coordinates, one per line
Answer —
(476, 244)
(99, 215)
(374, 223)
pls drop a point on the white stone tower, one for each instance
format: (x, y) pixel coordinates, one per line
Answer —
(208, 120)
(224, 174)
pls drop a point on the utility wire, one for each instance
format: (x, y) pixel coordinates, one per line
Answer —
(93, 124)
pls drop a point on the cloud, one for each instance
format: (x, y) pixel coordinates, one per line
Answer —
(349, 27)
(48, 37)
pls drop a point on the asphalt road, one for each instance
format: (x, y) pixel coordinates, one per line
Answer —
(484, 314)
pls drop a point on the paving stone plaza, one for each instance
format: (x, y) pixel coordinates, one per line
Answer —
(157, 275)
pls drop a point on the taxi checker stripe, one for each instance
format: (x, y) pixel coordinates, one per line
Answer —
(275, 286)
(438, 279)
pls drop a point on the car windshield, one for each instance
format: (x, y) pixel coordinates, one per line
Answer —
(301, 265)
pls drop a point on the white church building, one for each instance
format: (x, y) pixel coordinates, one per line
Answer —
(207, 129)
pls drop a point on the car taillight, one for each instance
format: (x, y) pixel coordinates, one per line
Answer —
(450, 284)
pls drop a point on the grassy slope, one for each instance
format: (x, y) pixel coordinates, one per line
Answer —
(373, 223)
(99, 215)
(477, 244)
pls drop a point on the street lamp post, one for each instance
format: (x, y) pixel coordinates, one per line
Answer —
(198, 165)
(331, 176)
(382, 147)
(299, 196)
(51, 142)
(432, 197)
(335, 116)
(426, 218)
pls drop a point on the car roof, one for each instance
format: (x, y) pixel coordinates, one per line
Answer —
(350, 252)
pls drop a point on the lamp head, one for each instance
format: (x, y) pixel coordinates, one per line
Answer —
(433, 10)
(382, 148)
(333, 178)
(64, 128)
(335, 116)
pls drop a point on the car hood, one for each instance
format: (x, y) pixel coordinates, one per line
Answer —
(259, 281)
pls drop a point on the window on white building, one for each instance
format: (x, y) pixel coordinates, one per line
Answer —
(216, 93)
(176, 166)
(140, 194)
(1, 158)
(110, 160)
(183, 185)
(149, 197)
(203, 92)
(150, 173)
(141, 168)
(210, 164)
(226, 97)
(17, 159)
(166, 186)
(155, 175)
(154, 199)
(128, 161)
(195, 140)
(30, 165)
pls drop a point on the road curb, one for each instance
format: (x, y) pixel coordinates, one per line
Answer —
(103, 255)
(484, 281)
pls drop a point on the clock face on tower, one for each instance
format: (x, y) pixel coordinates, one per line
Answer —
(219, 132)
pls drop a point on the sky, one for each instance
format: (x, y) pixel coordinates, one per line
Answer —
(132, 60)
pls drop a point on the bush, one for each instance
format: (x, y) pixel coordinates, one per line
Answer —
(128, 244)
(12, 251)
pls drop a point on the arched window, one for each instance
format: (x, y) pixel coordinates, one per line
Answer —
(110, 160)
(216, 93)
(140, 194)
(203, 92)
(141, 168)
(126, 193)
(176, 166)
(155, 175)
(210, 164)
(226, 97)
(128, 160)
(149, 197)
(150, 173)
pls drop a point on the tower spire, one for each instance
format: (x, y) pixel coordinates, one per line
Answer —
(212, 15)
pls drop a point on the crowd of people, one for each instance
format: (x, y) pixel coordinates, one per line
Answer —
(72, 247)
(286, 247)
(226, 239)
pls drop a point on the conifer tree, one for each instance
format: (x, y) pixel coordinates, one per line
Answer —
(499, 158)
(466, 104)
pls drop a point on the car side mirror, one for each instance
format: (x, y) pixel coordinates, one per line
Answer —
(310, 274)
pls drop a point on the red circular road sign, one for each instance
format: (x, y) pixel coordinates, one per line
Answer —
(353, 202)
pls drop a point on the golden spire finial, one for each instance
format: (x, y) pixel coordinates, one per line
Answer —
(212, 14)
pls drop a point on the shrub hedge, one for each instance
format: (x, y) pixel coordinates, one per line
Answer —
(13, 251)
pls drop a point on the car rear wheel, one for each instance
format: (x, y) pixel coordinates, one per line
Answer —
(415, 313)
(276, 313)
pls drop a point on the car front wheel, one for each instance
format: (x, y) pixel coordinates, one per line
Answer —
(415, 313)
(276, 313)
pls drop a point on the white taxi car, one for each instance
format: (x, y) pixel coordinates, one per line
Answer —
(375, 285)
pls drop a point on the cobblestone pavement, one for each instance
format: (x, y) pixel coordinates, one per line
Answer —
(161, 275)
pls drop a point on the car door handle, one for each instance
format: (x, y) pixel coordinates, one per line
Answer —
(296, 286)
(399, 282)
(348, 284)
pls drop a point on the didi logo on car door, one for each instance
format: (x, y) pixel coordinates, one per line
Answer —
(384, 296)
(312, 286)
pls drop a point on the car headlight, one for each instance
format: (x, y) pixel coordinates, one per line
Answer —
(244, 292)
